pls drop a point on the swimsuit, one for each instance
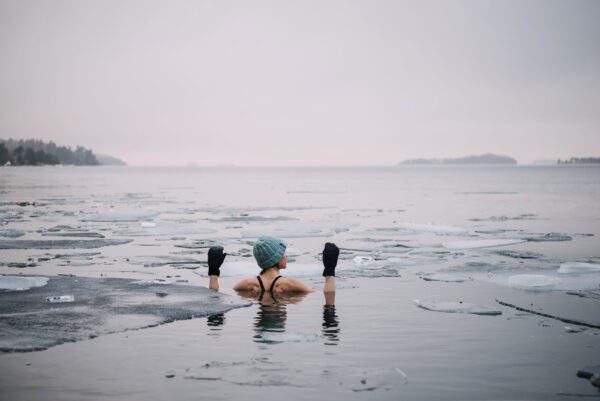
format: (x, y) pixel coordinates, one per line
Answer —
(262, 287)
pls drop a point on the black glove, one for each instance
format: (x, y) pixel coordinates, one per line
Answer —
(215, 260)
(330, 258)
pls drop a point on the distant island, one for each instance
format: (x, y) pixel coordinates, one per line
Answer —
(488, 158)
(32, 152)
(580, 160)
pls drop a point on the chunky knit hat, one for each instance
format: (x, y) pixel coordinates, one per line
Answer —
(268, 251)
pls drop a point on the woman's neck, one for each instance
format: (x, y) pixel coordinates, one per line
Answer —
(271, 272)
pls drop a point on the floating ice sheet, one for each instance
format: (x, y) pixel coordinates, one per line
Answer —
(21, 283)
(433, 228)
(578, 268)
(480, 243)
(100, 306)
(60, 244)
(549, 237)
(534, 281)
(457, 307)
(122, 216)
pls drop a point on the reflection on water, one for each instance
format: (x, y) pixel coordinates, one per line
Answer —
(215, 322)
(331, 329)
(271, 317)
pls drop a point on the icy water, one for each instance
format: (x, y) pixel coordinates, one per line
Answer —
(433, 261)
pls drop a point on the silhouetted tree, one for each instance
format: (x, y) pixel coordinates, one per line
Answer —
(4, 154)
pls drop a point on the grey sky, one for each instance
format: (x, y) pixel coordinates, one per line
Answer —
(303, 82)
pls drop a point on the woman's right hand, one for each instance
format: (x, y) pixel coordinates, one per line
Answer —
(330, 258)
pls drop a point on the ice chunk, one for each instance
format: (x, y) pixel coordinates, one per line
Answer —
(11, 233)
(59, 299)
(21, 283)
(104, 305)
(148, 224)
(457, 307)
(433, 228)
(480, 243)
(534, 281)
(549, 237)
(449, 278)
(122, 216)
(60, 244)
(579, 268)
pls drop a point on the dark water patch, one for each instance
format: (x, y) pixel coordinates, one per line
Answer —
(100, 306)
(518, 254)
(549, 237)
(81, 234)
(589, 294)
(61, 244)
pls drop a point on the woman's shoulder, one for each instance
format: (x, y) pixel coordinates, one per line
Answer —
(248, 284)
(289, 284)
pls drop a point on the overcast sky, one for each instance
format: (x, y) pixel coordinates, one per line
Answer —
(303, 82)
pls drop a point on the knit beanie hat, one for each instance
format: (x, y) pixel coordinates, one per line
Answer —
(268, 251)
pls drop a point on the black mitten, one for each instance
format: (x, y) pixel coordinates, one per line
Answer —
(330, 258)
(215, 260)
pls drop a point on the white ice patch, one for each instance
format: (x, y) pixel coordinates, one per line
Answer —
(59, 299)
(457, 307)
(534, 281)
(11, 233)
(480, 243)
(446, 277)
(433, 228)
(122, 216)
(17, 283)
(579, 268)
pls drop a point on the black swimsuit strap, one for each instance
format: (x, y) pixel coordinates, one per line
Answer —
(273, 284)
(262, 286)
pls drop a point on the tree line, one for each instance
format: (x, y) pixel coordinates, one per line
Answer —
(32, 152)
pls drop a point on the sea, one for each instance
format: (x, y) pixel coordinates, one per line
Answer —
(453, 283)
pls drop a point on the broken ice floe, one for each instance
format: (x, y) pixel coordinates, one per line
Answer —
(480, 243)
(433, 228)
(457, 307)
(100, 306)
(121, 216)
(591, 373)
(21, 283)
(548, 237)
(579, 268)
(162, 229)
(60, 244)
(534, 281)
(12, 233)
(446, 277)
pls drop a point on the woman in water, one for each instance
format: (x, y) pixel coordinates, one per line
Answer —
(275, 292)
(270, 256)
